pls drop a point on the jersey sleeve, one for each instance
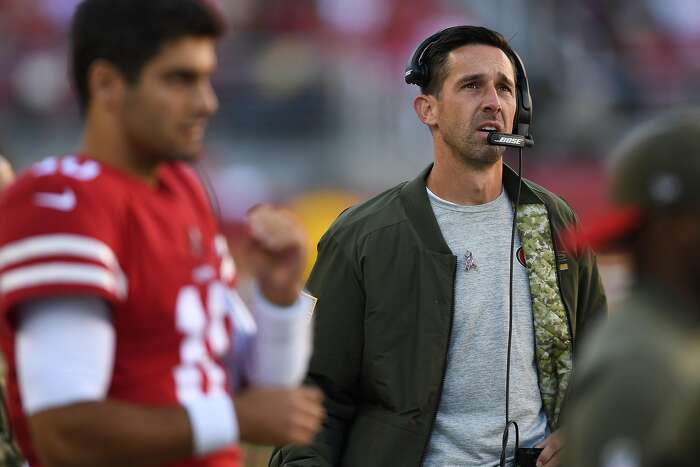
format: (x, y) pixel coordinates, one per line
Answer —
(59, 236)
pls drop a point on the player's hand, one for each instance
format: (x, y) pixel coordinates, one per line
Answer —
(279, 416)
(278, 253)
(549, 457)
(6, 173)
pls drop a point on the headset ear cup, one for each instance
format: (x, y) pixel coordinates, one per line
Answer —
(417, 72)
(422, 75)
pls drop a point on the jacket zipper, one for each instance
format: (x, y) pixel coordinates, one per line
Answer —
(444, 369)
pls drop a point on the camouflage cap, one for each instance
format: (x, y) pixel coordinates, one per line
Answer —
(654, 168)
(658, 164)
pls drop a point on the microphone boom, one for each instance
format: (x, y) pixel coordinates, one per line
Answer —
(507, 139)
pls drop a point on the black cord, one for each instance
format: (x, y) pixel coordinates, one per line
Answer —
(504, 444)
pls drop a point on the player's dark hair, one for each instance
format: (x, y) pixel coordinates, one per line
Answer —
(435, 56)
(129, 33)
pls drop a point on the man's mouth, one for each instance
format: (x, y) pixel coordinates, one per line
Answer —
(195, 131)
(489, 127)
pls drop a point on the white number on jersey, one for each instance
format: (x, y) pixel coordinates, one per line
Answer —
(201, 329)
(69, 166)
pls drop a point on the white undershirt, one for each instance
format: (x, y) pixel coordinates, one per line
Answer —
(64, 353)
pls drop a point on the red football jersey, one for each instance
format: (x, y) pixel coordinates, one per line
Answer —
(74, 226)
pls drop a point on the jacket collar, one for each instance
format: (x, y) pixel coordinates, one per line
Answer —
(414, 198)
(510, 183)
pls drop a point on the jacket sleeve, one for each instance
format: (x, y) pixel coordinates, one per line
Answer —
(337, 355)
(592, 304)
(590, 301)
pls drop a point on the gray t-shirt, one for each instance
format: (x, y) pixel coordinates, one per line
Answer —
(471, 415)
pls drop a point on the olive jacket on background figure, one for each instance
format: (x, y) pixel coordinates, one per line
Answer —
(636, 385)
(384, 279)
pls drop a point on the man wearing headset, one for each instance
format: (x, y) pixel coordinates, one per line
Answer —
(411, 328)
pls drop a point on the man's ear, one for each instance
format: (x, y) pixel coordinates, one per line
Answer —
(425, 106)
(106, 85)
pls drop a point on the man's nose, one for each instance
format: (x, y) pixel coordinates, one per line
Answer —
(491, 102)
(207, 102)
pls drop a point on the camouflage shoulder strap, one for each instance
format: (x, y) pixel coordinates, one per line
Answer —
(553, 345)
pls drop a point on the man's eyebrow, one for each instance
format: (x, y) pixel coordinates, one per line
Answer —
(502, 77)
(185, 72)
(180, 71)
(471, 77)
(506, 79)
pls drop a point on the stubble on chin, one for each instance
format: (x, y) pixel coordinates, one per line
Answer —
(480, 155)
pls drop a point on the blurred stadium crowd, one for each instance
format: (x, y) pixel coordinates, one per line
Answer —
(312, 93)
(313, 88)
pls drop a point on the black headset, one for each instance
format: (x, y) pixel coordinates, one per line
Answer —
(418, 73)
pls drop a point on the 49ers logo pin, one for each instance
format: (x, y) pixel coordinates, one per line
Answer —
(520, 254)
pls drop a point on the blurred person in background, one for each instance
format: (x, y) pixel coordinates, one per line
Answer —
(10, 455)
(674, 440)
(411, 327)
(639, 366)
(119, 317)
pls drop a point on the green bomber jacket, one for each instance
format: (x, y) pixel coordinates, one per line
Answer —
(384, 279)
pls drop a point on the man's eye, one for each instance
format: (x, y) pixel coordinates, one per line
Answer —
(506, 89)
(471, 85)
(179, 79)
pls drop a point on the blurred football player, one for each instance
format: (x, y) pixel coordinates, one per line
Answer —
(118, 313)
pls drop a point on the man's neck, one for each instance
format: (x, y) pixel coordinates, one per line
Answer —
(457, 182)
(107, 145)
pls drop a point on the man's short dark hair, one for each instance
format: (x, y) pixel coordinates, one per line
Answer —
(435, 56)
(129, 33)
